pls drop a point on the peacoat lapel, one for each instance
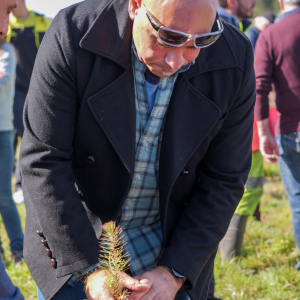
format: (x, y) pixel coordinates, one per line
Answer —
(113, 107)
(190, 116)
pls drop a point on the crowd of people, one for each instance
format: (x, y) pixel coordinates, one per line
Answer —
(137, 112)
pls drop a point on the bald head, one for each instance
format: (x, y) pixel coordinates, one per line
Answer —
(184, 15)
(188, 16)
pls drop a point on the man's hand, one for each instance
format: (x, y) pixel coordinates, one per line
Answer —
(268, 148)
(95, 285)
(162, 285)
(267, 143)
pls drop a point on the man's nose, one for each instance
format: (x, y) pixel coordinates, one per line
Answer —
(4, 28)
(174, 58)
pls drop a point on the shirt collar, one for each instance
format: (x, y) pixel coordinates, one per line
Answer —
(291, 12)
(222, 12)
(181, 70)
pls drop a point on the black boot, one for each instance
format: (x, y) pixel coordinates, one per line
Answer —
(231, 245)
(257, 213)
(1, 249)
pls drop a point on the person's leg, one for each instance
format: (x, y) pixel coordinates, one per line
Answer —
(182, 295)
(253, 187)
(7, 289)
(8, 210)
(19, 102)
(231, 245)
(289, 165)
(67, 293)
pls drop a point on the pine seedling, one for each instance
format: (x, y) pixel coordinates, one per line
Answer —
(113, 259)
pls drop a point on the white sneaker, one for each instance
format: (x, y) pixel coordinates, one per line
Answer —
(18, 196)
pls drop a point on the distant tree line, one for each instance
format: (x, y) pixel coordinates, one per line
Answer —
(263, 6)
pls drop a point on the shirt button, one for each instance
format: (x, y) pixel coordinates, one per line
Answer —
(137, 176)
(145, 143)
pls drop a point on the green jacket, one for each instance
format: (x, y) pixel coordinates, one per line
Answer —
(26, 35)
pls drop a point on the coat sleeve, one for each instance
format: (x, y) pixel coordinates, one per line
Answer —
(46, 152)
(221, 178)
(263, 65)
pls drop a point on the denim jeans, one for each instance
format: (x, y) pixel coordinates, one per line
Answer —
(76, 293)
(289, 165)
(8, 209)
(8, 291)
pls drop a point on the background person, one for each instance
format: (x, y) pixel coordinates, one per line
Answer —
(7, 289)
(259, 23)
(277, 62)
(237, 12)
(26, 31)
(8, 210)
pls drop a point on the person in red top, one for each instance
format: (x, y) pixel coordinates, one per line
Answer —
(277, 62)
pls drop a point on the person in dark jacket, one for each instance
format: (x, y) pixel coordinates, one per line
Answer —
(277, 62)
(139, 114)
(260, 23)
(26, 31)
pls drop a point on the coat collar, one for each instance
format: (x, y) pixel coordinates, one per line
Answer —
(110, 36)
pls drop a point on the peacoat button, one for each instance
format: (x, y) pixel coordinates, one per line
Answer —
(49, 253)
(184, 172)
(91, 160)
(40, 233)
(44, 243)
(53, 263)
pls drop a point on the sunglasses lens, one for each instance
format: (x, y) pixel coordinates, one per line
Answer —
(206, 40)
(171, 37)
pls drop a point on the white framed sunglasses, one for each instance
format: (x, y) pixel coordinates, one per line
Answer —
(176, 38)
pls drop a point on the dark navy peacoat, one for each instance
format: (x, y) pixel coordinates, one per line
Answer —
(78, 149)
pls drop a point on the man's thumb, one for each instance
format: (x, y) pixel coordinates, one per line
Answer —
(134, 284)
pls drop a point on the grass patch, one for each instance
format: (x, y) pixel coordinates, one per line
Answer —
(269, 250)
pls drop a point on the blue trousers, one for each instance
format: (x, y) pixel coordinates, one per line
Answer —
(7, 289)
(8, 209)
(289, 165)
(18, 108)
(76, 293)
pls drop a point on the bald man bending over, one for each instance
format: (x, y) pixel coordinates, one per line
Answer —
(140, 113)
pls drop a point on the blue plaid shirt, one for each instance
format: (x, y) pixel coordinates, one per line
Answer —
(139, 218)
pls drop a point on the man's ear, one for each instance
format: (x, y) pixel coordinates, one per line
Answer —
(281, 5)
(232, 3)
(133, 8)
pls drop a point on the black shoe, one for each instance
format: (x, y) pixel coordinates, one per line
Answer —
(17, 256)
(1, 251)
(257, 213)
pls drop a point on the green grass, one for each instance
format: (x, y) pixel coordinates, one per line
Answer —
(19, 273)
(269, 249)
